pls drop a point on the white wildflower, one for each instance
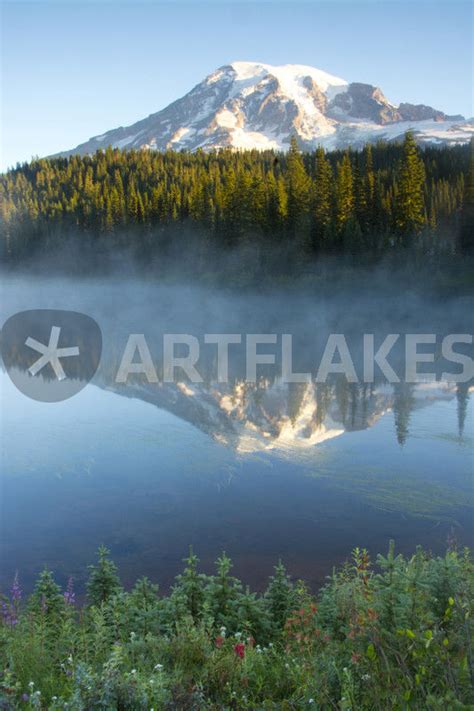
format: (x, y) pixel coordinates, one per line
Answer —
(158, 667)
(134, 671)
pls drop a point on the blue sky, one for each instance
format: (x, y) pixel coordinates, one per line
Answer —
(71, 70)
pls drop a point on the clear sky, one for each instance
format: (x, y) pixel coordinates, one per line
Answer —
(72, 70)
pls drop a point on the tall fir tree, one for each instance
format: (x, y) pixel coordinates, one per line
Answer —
(298, 188)
(322, 200)
(466, 235)
(103, 580)
(410, 211)
(344, 192)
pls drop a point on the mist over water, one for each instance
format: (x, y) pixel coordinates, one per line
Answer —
(264, 470)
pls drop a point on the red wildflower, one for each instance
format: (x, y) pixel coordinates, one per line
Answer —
(239, 649)
(219, 641)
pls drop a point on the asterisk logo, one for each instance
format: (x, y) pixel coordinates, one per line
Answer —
(50, 353)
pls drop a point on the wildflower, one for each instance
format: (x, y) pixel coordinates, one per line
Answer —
(25, 697)
(219, 641)
(158, 667)
(239, 649)
(10, 610)
(16, 590)
(310, 701)
(31, 684)
(223, 631)
(69, 595)
(134, 671)
(238, 635)
(8, 614)
(365, 677)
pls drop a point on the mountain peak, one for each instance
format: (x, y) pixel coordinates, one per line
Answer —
(286, 72)
(246, 105)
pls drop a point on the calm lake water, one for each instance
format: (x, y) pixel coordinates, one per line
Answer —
(299, 472)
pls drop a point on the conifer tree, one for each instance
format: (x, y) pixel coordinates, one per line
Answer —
(280, 596)
(103, 580)
(410, 206)
(344, 192)
(298, 185)
(466, 236)
(47, 598)
(190, 586)
(462, 398)
(223, 593)
(252, 615)
(322, 209)
(402, 408)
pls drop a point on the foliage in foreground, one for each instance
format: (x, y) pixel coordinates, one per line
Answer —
(398, 637)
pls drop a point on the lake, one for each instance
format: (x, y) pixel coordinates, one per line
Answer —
(302, 472)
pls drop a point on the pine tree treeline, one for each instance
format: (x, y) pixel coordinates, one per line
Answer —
(341, 202)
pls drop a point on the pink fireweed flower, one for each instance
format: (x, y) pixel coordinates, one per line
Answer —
(69, 595)
(10, 609)
(16, 590)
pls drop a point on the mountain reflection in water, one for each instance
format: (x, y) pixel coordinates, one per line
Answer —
(267, 470)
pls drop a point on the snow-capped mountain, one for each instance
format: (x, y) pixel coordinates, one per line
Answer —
(273, 417)
(250, 105)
